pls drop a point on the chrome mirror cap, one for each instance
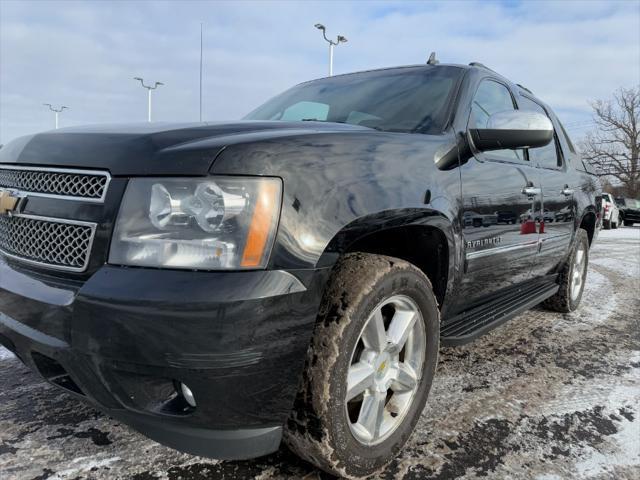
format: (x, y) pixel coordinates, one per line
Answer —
(519, 120)
(513, 129)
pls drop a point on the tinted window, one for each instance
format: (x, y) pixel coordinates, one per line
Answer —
(567, 139)
(546, 156)
(401, 100)
(305, 110)
(492, 97)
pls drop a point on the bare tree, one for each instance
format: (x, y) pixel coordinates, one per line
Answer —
(613, 148)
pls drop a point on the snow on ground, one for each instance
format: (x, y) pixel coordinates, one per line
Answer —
(619, 250)
(546, 396)
(624, 233)
(5, 354)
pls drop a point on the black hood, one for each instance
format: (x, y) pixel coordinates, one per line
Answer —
(151, 148)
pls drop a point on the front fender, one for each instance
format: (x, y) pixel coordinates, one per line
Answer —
(336, 186)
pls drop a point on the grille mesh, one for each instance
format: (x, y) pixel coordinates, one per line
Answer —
(90, 186)
(62, 245)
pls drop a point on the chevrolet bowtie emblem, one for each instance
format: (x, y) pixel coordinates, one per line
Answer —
(8, 202)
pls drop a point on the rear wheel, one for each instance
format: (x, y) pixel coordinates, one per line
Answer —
(607, 224)
(369, 368)
(573, 276)
(627, 223)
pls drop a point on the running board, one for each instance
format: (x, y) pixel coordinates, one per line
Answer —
(471, 324)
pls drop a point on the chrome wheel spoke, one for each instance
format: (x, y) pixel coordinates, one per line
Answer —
(579, 270)
(374, 335)
(360, 378)
(406, 379)
(400, 328)
(576, 277)
(372, 413)
(384, 376)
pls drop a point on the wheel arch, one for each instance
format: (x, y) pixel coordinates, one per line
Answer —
(425, 238)
(588, 223)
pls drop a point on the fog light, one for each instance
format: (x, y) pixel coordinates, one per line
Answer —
(188, 395)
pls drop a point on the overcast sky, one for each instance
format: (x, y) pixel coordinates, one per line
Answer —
(84, 54)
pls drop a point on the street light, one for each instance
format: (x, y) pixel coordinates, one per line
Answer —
(339, 39)
(55, 110)
(149, 88)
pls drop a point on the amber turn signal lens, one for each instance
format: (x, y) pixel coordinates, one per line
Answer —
(261, 224)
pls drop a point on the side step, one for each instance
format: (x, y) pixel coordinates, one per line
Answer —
(471, 324)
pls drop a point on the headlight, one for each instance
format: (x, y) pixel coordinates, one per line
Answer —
(209, 223)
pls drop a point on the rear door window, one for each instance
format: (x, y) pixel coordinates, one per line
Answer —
(566, 138)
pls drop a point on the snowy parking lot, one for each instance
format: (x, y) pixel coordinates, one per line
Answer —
(546, 396)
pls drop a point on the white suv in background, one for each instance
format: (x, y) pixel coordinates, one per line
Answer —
(611, 215)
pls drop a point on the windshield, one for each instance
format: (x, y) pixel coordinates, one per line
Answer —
(399, 100)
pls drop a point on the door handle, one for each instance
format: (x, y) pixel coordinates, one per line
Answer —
(530, 191)
(567, 191)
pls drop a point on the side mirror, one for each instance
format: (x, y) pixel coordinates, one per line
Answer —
(513, 129)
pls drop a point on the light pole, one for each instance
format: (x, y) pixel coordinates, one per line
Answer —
(339, 39)
(149, 88)
(55, 110)
(201, 71)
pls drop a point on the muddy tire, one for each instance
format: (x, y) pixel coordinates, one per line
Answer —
(573, 276)
(353, 332)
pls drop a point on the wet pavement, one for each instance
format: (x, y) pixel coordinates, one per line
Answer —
(546, 396)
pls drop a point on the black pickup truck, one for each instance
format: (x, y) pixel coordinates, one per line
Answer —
(629, 211)
(221, 287)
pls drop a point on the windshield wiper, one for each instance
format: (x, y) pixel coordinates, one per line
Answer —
(323, 121)
(380, 129)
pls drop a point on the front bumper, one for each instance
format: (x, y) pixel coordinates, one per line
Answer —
(127, 337)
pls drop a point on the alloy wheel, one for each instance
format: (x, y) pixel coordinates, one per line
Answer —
(579, 270)
(385, 370)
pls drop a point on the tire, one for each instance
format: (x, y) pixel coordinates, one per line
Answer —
(606, 224)
(628, 223)
(321, 429)
(567, 298)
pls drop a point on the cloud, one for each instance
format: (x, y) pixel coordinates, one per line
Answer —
(84, 54)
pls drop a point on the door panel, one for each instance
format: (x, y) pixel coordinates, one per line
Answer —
(499, 229)
(498, 218)
(555, 222)
(556, 229)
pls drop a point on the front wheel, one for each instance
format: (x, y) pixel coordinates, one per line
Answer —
(369, 368)
(573, 276)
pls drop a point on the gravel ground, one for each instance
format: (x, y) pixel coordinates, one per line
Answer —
(545, 396)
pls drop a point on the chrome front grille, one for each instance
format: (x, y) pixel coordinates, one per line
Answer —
(55, 243)
(76, 184)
